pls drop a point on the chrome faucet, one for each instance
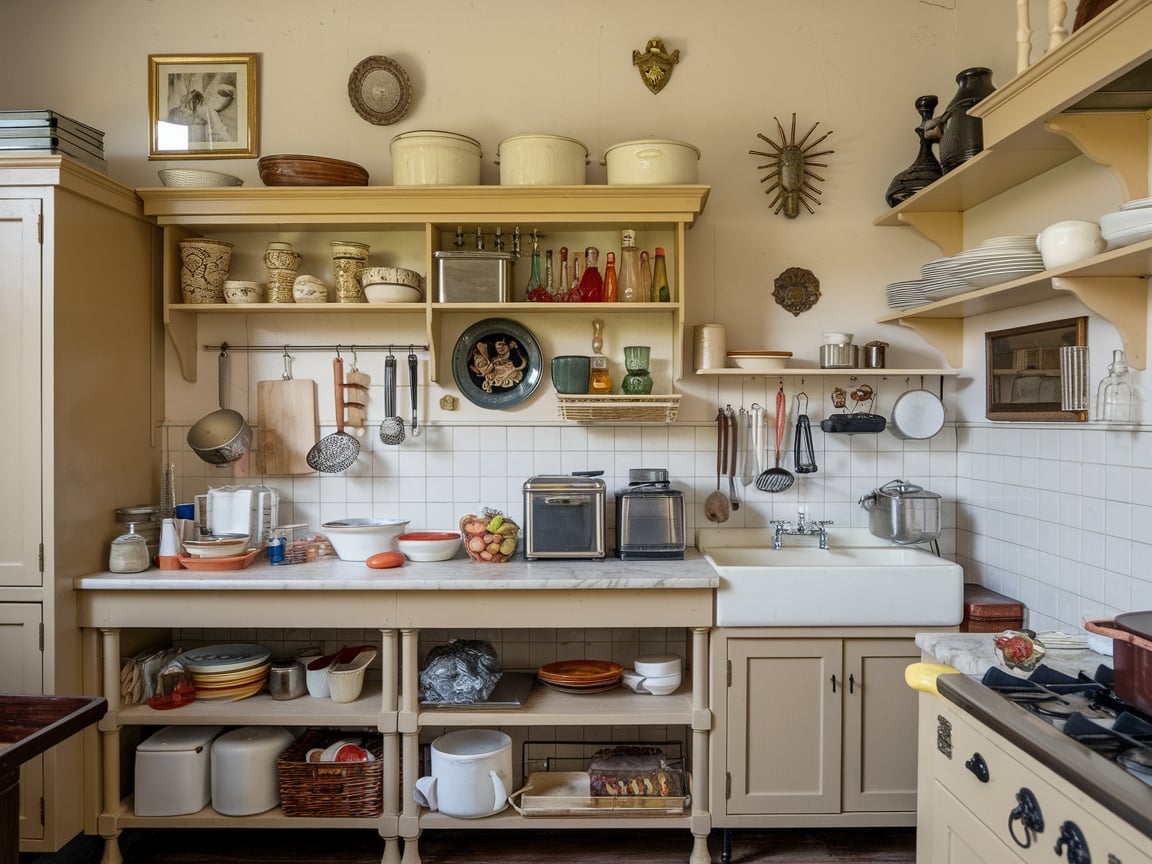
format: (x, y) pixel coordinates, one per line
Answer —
(803, 528)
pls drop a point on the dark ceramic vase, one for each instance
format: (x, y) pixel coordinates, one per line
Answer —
(925, 169)
(962, 136)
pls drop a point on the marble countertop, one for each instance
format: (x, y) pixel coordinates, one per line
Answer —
(459, 574)
(974, 654)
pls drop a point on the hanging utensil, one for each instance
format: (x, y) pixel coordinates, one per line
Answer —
(803, 455)
(289, 426)
(356, 396)
(747, 455)
(392, 429)
(223, 436)
(716, 506)
(777, 479)
(336, 452)
(412, 376)
(733, 449)
(757, 443)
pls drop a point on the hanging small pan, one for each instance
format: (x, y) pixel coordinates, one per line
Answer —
(336, 452)
(917, 414)
(222, 437)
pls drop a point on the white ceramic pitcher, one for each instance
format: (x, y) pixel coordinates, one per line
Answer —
(471, 774)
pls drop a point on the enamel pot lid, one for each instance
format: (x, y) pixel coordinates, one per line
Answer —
(917, 414)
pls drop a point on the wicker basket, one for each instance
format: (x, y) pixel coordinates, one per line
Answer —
(331, 788)
(589, 409)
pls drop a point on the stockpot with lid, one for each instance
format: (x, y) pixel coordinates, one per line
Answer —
(903, 512)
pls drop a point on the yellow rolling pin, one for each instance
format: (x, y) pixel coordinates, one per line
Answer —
(922, 676)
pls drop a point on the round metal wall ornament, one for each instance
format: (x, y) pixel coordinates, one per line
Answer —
(791, 168)
(379, 90)
(655, 64)
(797, 290)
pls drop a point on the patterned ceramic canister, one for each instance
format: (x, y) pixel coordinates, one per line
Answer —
(282, 264)
(204, 267)
(348, 257)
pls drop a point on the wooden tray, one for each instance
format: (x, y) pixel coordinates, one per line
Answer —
(567, 793)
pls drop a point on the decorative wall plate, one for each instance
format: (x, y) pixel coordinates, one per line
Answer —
(797, 290)
(496, 363)
(379, 90)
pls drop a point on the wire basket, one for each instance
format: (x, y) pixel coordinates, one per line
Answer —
(331, 788)
(589, 409)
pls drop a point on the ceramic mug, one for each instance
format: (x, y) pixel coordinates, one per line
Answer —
(570, 373)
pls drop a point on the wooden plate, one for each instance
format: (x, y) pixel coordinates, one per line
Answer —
(576, 673)
(580, 691)
(293, 170)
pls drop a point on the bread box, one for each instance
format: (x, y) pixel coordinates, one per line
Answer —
(245, 779)
(173, 771)
(987, 611)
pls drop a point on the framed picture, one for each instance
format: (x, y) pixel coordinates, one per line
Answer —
(202, 106)
(1024, 370)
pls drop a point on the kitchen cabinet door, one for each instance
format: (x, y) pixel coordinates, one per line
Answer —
(879, 725)
(21, 673)
(20, 450)
(958, 837)
(784, 726)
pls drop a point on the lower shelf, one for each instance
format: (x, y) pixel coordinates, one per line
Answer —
(209, 818)
(510, 820)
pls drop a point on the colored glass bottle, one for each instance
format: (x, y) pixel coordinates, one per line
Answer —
(661, 291)
(645, 278)
(565, 275)
(1114, 400)
(610, 280)
(599, 379)
(535, 291)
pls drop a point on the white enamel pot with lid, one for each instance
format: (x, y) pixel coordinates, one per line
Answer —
(434, 158)
(651, 161)
(542, 160)
(471, 774)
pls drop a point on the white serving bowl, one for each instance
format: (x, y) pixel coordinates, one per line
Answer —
(662, 685)
(659, 665)
(360, 539)
(376, 292)
(1068, 242)
(429, 545)
(218, 545)
(236, 291)
(759, 361)
(390, 276)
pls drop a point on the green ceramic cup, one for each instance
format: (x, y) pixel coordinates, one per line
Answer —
(570, 373)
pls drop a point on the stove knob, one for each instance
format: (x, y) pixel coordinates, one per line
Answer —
(978, 766)
(1073, 837)
(1027, 810)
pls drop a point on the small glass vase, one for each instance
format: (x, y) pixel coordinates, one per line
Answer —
(637, 381)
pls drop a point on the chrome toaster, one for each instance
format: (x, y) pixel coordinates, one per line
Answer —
(564, 517)
(649, 517)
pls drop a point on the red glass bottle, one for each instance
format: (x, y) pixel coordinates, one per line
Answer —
(591, 288)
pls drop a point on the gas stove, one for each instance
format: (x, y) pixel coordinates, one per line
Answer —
(1033, 766)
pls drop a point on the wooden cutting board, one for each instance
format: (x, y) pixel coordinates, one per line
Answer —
(288, 425)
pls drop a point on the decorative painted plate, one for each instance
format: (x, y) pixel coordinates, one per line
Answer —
(496, 363)
(379, 90)
(225, 658)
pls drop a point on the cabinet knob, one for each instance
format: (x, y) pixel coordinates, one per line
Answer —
(978, 766)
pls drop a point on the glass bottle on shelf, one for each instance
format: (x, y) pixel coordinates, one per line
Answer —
(574, 285)
(599, 380)
(610, 280)
(645, 278)
(565, 275)
(535, 291)
(661, 292)
(1114, 399)
(628, 278)
(591, 288)
(549, 275)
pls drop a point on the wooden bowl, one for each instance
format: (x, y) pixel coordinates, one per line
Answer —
(292, 170)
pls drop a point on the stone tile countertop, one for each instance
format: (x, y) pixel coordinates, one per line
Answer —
(458, 574)
(975, 653)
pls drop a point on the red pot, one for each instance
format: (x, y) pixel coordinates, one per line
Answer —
(1131, 635)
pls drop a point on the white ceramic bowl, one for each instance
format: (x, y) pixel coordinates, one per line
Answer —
(429, 545)
(236, 291)
(218, 545)
(390, 276)
(837, 338)
(360, 539)
(1067, 242)
(759, 361)
(309, 289)
(382, 293)
(663, 685)
(659, 665)
(196, 178)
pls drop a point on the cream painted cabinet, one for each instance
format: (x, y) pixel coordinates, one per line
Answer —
(814, 727)
(79, 333)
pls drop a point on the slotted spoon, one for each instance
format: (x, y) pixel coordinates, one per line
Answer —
(777, 479)
(392, 427)
(336, 452)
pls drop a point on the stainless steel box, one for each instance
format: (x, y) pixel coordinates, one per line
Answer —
(564, 517)
(474, 277)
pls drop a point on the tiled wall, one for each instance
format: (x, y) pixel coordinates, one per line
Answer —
(1060, 518)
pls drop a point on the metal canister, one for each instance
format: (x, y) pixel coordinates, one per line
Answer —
(286, 679)
(873, 355)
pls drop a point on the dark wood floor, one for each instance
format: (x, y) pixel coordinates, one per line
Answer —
(240, 846)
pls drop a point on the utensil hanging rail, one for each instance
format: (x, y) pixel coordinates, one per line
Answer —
(394, 346)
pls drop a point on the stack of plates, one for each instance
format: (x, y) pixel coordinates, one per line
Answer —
(1130, 224)
(581, 676)
(49, 132)
(996, 260)
(904, 295)
(228, 672)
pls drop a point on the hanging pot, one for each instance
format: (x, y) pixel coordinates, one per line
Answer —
(917, 414)
(222, 437)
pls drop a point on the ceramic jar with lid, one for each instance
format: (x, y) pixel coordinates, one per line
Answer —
(282, 263)
(128, 554)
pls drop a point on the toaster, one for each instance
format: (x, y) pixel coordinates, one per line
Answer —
(649, 517)
(564, 517)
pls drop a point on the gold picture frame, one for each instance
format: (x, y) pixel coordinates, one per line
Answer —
(202, 106)
(1023, 370)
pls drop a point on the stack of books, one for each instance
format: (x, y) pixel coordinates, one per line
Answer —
(48, 132)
